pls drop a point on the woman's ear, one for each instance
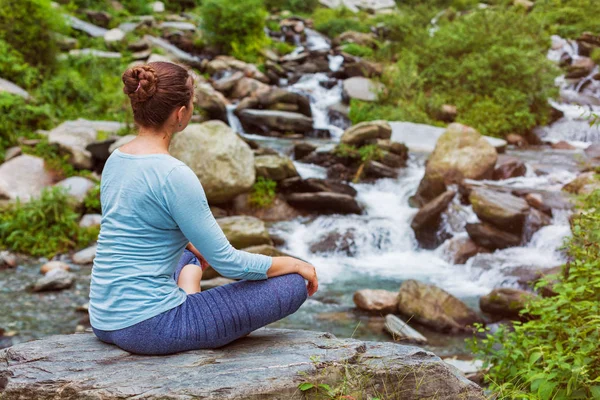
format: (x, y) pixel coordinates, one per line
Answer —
(181, 115)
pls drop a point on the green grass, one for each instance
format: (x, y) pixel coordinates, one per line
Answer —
(263, 193)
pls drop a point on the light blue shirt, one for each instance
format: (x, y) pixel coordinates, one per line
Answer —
(152, 206)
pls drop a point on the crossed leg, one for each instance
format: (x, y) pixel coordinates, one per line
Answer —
(189, 278)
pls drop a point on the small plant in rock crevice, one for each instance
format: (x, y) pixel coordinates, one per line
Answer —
(263, 193)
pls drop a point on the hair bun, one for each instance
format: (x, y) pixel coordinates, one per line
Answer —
(140, 83)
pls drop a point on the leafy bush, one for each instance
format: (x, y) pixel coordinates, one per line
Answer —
(14, 68)
(333, 22)
(358, 50)
(54, 161)
(282, 48)
(92, 201)
(28, 26)
(297, 6)
(235, 26)
(44, 226)
(567, 18)
(555, 356)
(263, 192)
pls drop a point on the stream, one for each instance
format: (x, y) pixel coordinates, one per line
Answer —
(380, 249)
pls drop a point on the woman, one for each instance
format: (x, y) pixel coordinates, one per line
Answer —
(158, 234)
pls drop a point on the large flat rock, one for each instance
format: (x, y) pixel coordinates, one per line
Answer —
(267, 364)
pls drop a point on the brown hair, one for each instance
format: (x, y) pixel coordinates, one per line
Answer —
(155, 90)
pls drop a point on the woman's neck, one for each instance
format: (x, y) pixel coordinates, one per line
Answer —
(148, 142)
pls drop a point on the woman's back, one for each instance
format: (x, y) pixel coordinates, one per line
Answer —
(139, 242)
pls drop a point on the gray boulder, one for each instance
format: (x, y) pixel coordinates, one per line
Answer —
(509, 167)
(505, 302)
(85, 256)
(364, 132)
(376, 300)
(23, 177)
(223, 162)
(274, 167)
(268, 364)
(244, 231)
(361, 88)
(325, 202)
(426, 222)
(401, 331)
(501, 209)
(266, 121)
(9, 87)
(56, 279)
(490, 237)
(77, 188)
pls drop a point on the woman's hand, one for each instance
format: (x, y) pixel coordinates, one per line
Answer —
(288, 265)
(203, 263)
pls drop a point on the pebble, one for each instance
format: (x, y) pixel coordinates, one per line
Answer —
(56, 279)
(53, 265)
(85, 256)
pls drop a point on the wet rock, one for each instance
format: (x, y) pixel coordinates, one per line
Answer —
(244, 231)
(85, 256)
(279, 210)
(77, 188)
(509, 167)
(360, 134)
(460, 153)
(325, 202)
(245, 87)
(361, 88)
(224, 85)
(585, 183)
(212, 102)
(335, 242)
(535, 221)
(338, 115)
(302, 149)
(516, 140)
(562, 145)
(284, 356)
(274, 167)
(223, 162)
(281, 121)
(500, 209)
(434, 307)
(593, 151)
(277, 97)
(52, 265)
(397, 148)
(9, 87)
(89, 220)
(56, 279)
(267, 250)
(311, 185)
(426, 222)
(400, 330)
(23, 177)
(376, 300)
(505, 302)
(73, 137)
(460, 249)
(377, 170)
(220, 64)
(536, 200)
(580, 68)
(490, 237)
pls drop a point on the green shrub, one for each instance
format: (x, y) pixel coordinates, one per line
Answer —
(92, 201)
(263, 193)
(282, 48)
(567, 18)
(14, 68)
(297, 6)
(236, 27)
(358, 50)
(556, 355)
(595, 55)
(44, 226)
(333, 22)
(55, 161)
(28, 26)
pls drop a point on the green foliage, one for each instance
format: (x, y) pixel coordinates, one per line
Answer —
(333, 22)
(556, 355)
(28, 26)
(263, 192)
(92, 201)
(567, 18)
(282, 48)
(19, 118)
(236, 27)
(137, 7)
(297, 6)
(363, 154)
(14, 68)
(595, 55)
(54, 160)
(358, 50)
(44, 226)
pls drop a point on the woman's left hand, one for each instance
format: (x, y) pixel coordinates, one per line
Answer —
(203, 263)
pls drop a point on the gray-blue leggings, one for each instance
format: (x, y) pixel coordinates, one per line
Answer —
(212, 318)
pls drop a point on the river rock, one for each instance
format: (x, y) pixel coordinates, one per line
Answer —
(580, 68)
(460, 153)
(73, 137)
(220, 64)
(9, 87)
(434, 307)
(245, 87)
(535, 221)
(244, 231)
(325, 202)
(400, 330)
(426, 222)
(360, 134)
(56, 279)
(23, 177)
(212, 102)
(459, 249)
(302, 149)
(509, 167)
(85, 256)
(361, 88)
(505, 302)
(225, 84)
(234, 371)
(585, 183)
(363, 68)
(335, 242)
(91, 29)
(281, 121)
(312, 185)
(490, 237)
(500, 209)
(360, 38)
(516, 140)
(279, 210)
(277, 96)
(223, 162)
(52, 265)
(90, 220)
(376, 300)
(536, 200)
(77, 188)
(376, 170)
(274, 167)
(7, 260)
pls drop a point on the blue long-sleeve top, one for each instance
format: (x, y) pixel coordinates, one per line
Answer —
(152, 206)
